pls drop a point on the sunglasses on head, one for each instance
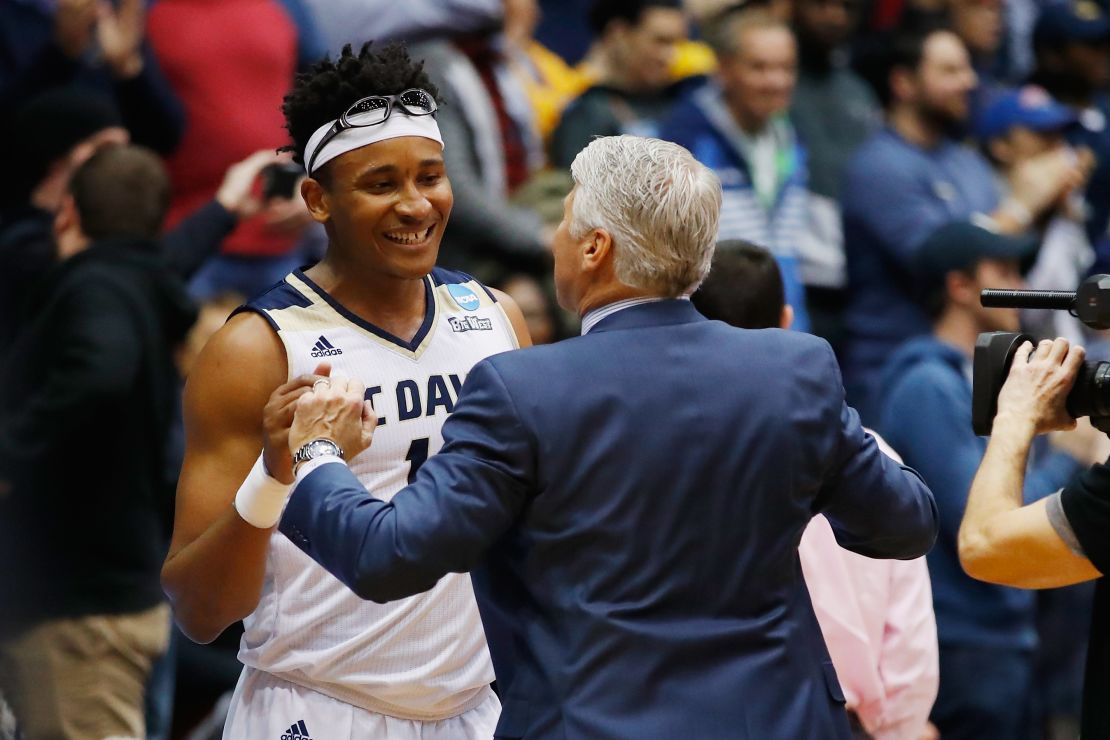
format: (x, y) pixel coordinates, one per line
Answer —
(376, 109)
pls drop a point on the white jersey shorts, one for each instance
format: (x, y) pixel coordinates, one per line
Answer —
(268, 708)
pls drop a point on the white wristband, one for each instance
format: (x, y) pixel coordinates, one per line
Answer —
(261, 499)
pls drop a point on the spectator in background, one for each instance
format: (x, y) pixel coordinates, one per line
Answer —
(833, 108)
(87, 400)
(491, 148)
(1071, 43)
(876, 615)
(536, 305)
(834, 112)
(884, 16)
(692, 57)
(1018, 18)
(979, 24)
(231, 63)
(909, 179)
(987, 634)
(564, 28)
(744, 288)
(548, 80)
(737, 125)
(1018, 126)
(707, 12)
(60, 130)
(92, 44)
(57, 132)
(353, 22)
(634, 90)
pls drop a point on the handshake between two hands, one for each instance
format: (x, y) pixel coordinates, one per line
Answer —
(317, 406)
(1033, 400)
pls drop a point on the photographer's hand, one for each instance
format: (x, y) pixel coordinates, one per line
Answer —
(1001, 540)
(1032, 400)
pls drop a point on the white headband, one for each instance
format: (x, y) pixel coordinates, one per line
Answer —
(398, 124)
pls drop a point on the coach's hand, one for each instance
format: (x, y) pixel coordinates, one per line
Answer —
(334, 409)
(277, 417)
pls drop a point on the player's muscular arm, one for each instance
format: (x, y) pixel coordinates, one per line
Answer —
(516, 318)
(214, 571)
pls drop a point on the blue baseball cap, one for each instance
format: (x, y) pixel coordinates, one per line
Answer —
(959, 245)
(1030, 107)
(1084, 21)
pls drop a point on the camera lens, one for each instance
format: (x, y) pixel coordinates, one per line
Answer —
(1091, 394)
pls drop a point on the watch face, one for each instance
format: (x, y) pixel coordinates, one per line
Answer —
(321, 447)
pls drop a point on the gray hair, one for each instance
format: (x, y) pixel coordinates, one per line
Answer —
(660, 205)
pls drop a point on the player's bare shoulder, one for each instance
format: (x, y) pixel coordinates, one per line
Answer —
(226, 392)
(237, 370)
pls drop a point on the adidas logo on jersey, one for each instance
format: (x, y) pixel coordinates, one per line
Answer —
(296, 732)
(324, 348)
(469, 323)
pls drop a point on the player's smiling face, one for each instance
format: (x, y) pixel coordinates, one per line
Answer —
(388, 203)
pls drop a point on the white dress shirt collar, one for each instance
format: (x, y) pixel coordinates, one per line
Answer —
(589, 321)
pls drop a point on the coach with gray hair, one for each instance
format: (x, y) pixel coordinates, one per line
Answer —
(629, 502)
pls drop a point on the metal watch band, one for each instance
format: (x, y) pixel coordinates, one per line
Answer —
(316, 448)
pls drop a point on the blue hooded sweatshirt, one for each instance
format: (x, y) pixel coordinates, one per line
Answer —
(924, 412)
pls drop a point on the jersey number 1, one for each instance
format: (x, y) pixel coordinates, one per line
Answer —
(417, 454)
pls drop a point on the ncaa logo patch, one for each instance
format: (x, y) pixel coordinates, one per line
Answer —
(464, 296)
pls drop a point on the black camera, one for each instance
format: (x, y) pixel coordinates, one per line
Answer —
(994, 351)
(280, 180)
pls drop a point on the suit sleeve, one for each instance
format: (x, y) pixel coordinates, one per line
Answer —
(463, 499)
(876, 507)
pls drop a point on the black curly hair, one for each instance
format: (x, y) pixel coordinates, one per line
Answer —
(328, 88)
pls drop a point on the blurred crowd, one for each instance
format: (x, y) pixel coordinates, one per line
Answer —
(893, 156)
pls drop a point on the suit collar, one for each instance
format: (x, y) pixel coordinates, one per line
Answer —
(660, 313)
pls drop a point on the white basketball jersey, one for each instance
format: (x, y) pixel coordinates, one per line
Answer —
(424, 657)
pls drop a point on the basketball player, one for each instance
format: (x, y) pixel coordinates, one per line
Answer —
(320, 662)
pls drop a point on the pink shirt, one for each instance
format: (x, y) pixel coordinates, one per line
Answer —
(877, 620)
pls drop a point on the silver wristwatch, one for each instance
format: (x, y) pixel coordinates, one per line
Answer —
(314, 449)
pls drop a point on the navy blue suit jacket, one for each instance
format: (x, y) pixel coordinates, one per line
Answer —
(629, 505)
